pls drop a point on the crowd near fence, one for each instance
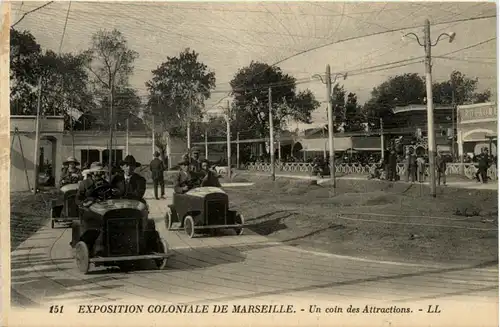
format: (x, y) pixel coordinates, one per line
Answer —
(469, 169)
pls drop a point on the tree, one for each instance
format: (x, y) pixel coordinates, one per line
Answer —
(177, 93)
(64, 79)
(111, 62)
(462, 88)
(400, 90)
(251, 106)
(24, 56)
(338, 107)
(354, 116)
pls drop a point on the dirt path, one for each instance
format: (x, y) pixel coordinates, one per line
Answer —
(375, 220)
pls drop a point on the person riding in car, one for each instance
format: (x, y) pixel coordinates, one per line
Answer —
(210, 177)
(72, 174)
(184, 180)
(130, 185)
(95, 179)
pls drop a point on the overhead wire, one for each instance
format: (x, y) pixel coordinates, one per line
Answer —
(29, 12)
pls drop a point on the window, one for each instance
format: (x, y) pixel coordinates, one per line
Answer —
(117, 157)
(89, 156)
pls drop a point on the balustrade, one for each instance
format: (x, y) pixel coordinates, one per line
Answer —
(469, 169)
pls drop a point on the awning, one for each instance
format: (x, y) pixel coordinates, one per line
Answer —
(317, 145)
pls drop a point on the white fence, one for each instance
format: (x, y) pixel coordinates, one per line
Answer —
(469, 170)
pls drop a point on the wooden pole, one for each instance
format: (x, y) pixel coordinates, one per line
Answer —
(431, 135)
(37, 136)
(271, 135)
(238, 150)
(110, 144)
(330, 125)
(126, 137)
(206, 144)
(228, 121)
(382, 147)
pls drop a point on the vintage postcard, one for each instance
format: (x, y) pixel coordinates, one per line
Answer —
(249, 163)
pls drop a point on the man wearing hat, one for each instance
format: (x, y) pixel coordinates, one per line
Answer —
(157, 168)
(195, 164)
(72, 174)
(130, 185)
(95, 178)
(184, 180)
(210, 178)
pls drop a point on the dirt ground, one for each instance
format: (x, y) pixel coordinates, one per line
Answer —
(373, 219)
(28, 212)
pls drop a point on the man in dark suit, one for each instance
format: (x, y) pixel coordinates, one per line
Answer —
(157, 168)
(130, 185)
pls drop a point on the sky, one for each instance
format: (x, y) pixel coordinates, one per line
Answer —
(302, 37)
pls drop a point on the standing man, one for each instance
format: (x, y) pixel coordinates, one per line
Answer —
(441, 168)
(393, 163)
(483, 165)
(157, 168)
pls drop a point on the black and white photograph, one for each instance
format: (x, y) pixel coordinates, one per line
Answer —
(196, 163)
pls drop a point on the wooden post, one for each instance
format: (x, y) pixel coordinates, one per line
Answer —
(206, 144)
(271, 135)
(126, 136)
(37, 137)
(238, 150)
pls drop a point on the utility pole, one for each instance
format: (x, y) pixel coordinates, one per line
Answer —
(189, 125)
(430, 108)
(382, 147)
(330, 125)
(238, 150)
(37, 136)
(228, 121)
(206, 144)
(453, 120)
(271, 136)
(126, 135)
(110, 153)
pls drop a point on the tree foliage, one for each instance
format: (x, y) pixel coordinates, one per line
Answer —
(407, 89)
(64, 79)
(110, 61)
(250, 88)
(177, 92)
(459, 88)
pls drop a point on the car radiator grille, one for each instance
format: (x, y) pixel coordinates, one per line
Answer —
(216, 212)
(123, 236)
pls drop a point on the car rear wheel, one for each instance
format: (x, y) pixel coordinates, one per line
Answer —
(239, 220)
(168, 219)
(189, 226)
(163, 249)
(82, 257)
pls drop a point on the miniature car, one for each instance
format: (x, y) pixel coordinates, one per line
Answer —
(116, 232)
(64, 209)
(203, 209)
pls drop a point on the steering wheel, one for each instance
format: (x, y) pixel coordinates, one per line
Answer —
(102, 192)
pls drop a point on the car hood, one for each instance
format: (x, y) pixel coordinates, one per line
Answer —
(114, 204)
(69, 187)
(204, 191)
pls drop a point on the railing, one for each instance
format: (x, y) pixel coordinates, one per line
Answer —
(469, 169)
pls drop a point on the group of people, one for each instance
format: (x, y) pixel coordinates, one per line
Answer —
(194, 172)
(126, 185)
(414, 167)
